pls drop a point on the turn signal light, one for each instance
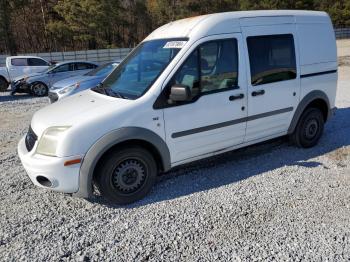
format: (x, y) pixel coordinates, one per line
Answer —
(72, 162)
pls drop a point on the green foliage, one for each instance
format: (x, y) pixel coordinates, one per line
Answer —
(51, 25)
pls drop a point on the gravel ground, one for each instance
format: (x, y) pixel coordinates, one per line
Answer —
(266, 202)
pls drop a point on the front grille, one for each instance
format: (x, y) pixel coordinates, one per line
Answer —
(30, 140)
(53, 97)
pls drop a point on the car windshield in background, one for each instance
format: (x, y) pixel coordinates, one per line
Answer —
(103, 70)
(140, 69)
(51, 67)
(47, 69)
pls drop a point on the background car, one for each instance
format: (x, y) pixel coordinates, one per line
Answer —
(40, 83)
(18, 66)
(77, 84)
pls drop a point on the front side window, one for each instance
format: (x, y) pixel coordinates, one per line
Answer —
(62, 68)
(212, 67)
(132, 78)
(272, 58)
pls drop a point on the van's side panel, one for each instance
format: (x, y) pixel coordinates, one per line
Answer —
(318, 57)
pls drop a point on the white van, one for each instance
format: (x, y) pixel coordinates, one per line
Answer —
(192, 89)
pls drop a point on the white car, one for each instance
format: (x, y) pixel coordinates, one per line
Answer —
(17, 66)
(192, 89)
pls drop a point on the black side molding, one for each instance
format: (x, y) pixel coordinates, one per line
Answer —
(319, 73)
(230, 123)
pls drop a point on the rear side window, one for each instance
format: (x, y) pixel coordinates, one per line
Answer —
(84, 66)
(272, 58)
(36, 62)
(19, 62)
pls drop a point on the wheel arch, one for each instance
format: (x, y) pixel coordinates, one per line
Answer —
(316, 99)
(37, 82)
(114, 139)
(4, 78)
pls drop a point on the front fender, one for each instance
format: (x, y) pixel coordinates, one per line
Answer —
(109, 140)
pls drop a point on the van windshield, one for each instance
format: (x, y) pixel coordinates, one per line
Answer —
(132, 78)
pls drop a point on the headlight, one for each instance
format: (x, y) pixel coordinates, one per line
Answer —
(68, 89)
(48, 141)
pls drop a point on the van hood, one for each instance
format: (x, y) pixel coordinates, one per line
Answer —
(75, 110)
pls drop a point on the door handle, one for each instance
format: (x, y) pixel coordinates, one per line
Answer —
(240, 96)
(258, 93)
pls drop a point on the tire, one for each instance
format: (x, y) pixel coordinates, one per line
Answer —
(126, 175)
(3, 84)
(40, 89)
(309, 128)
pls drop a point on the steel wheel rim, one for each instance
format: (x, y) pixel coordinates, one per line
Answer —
(311, 129)
(129, 176)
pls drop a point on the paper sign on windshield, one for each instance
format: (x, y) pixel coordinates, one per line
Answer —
(175, 44)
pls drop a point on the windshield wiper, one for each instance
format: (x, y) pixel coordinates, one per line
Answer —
(107, 91)
(113, 93)
(99, 89)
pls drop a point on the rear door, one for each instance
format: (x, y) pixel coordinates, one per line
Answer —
(17, 67)
(273, 76)
(215, 118)
(61, 72)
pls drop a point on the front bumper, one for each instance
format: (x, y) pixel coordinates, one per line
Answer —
(63, 178)
(53, 97)
(20, 87)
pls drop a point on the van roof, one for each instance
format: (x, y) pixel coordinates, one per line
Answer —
(231, 22)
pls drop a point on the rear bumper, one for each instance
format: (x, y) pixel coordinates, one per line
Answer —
(62, 178)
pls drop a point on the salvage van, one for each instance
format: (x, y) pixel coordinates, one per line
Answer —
(192, 89)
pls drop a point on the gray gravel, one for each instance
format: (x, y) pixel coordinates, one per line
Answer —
(266, 202)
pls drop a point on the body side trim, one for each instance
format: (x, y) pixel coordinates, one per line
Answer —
(318, 73)
(230, 123)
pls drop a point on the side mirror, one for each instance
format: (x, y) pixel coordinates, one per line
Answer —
(180, 93)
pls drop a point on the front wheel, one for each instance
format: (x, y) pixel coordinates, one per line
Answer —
(126, 175)
(309, 128)
(40, 89)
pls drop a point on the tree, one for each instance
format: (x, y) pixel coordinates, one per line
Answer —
(6, 33)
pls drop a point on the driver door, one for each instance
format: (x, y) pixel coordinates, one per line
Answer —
(61, 72)
(215, 117)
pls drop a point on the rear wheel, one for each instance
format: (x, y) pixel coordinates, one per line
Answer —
(309, 128)
(3, 84)
(40, 89)
(126, 175)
